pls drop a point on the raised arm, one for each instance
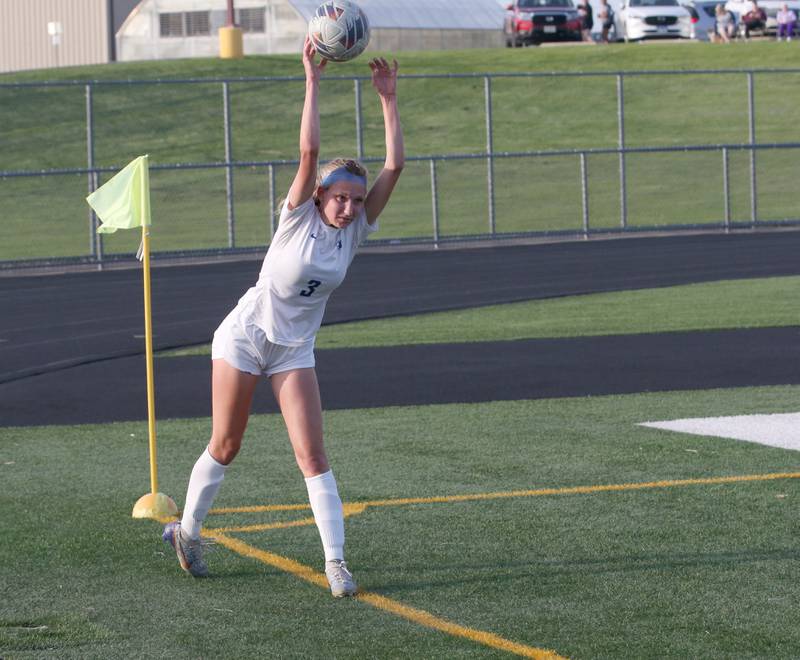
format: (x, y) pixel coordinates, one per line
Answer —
(306, 178)
(384, 80)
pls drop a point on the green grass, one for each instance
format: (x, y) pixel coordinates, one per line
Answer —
(756, 303)
(700, 571)
(45, 128)
(696, 571)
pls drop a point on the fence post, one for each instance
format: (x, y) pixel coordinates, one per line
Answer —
(359, 121)
(726, 188)
(751, 106)
(272, 219)
(487, 89)
(226, 102)
(623, 196)
(435, 204)
(95, 239)
(585, 194)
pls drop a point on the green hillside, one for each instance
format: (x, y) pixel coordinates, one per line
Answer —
(45, 128)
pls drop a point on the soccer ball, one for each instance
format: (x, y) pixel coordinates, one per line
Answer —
(339, 30)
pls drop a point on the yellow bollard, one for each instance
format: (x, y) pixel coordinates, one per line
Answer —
(156, 506)
(231, 45)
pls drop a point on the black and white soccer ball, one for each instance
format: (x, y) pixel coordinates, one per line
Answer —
(339, 30)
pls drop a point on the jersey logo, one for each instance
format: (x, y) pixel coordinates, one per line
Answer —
(339, 244)
(312, 286)
(314, 236)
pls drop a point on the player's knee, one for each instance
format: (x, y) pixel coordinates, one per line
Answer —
(312, 464)
(225, 447)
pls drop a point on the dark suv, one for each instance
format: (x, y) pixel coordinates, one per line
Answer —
(534, 21)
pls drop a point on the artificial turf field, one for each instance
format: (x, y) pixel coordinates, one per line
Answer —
(697, 570)
(474, 530)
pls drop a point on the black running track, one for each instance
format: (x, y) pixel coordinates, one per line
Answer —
(71, 346)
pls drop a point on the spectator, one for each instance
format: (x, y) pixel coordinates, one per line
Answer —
(787, 20)
(753, 18)
(724, 25)
(587, 20)
(606, 16)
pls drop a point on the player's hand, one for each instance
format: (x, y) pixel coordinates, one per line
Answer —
(384, 77)
(313, 70)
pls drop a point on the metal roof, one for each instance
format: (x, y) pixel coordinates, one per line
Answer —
(422, 14)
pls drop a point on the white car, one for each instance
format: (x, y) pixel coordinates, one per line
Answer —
(770, 7)
(649, 19)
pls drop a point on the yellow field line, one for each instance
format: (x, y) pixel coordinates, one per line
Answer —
(349, 510)
(412, 614)
(259, 508)
(422, 617)
(540, 492)
(261, 528)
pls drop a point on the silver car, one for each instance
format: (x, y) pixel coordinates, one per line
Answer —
(703, 18)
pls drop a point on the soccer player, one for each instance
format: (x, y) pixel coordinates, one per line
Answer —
(271, 331)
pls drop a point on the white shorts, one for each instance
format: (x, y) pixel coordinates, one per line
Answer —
(246, 348)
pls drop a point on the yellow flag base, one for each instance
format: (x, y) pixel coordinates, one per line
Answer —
(154, 505)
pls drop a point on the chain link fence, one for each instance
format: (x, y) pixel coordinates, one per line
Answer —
(489, 156)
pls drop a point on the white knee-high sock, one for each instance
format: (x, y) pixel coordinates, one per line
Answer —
(207, 475)
(328, 513)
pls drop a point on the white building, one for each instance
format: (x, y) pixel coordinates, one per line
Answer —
(159, 29)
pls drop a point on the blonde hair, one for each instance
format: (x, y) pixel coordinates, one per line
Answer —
(352, 166)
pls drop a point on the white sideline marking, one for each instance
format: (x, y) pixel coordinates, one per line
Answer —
(772, 430)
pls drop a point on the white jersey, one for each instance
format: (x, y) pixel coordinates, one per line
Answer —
(306, 261)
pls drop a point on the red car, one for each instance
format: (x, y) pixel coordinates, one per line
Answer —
(534, 21)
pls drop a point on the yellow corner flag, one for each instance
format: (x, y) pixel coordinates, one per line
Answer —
(123, 202)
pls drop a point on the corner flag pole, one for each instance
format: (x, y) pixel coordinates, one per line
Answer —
(154, 504)
(148, 343)
(123, 202)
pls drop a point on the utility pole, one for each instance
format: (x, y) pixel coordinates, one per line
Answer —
(112, 40)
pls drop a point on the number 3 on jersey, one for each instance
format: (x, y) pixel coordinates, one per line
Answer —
(312, 285)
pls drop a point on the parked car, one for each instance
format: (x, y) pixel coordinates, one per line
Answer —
(703, 13)
(770, 7)
(652, 19)
(534, 21)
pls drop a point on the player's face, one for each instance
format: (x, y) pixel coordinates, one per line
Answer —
(341, 203)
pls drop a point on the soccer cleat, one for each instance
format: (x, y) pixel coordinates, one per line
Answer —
(340, 578)
(189, 551)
